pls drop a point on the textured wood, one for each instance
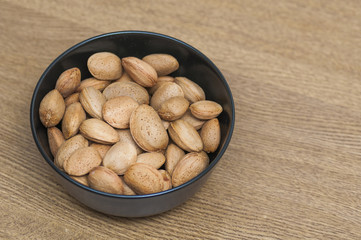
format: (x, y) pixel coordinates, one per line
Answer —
(293, 168)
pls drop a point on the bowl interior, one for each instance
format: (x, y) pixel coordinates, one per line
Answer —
(193, 65)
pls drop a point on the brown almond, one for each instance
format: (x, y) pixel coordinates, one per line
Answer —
(72, 99)
(126, 136)
(82, 161)
(68, 82)
(73, 117)
(205, 109)
(92, 101)
(147, 129)
(173, 155)
(190, 166)
(98, 131)
(126, 189)
(124, 78)
(117, 111)
(154, 159)
(165, 92)
(55, 138)
(52, 108)
(144, 179)
(192, 91)
(173, 108)
(105, 180)
(105, 66)
(82, 179)
(192, 120)
(185, 136)
(68, 148)
(211, 135)
(101, 148)
(167, 181)
(130, 89)
(120, 157)
(165, 79)
(165, 124)
(140, 71)
(93, 82)
(163, 64)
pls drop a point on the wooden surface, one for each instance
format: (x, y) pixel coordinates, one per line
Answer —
(293, 168)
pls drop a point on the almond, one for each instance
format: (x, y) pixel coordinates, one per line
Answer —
(72, 99)
(147, 129)
(82, 161)
(211, 135)
(154, 159)
(192, 120)
(192, 91)
(82, 179)
(173, 155)
(68, 148)
(205, 109)
(98, 131)
(117, 111)
(120, 157)
(105, 66)
(101, 148)
(130, 89)
(93, 82)
(185, 136)
(52, 108)
(105, 180)
(190, 166)
(92, 101)
(165, 124)
(165, 92)
(140, 71)
(55, 138)
(163, 64)
(144, 179)
(73, 117)
(173, 108)
(68, 82)
(126, 136)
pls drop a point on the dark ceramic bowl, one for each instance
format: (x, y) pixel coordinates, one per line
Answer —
(193, 64)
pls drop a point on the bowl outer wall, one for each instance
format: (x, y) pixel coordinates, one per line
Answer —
(193, 65)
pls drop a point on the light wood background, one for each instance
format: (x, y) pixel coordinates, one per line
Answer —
(293, 168)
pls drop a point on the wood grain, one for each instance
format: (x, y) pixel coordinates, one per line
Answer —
(293, 168)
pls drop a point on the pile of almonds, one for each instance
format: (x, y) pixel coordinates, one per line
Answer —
(115, 126)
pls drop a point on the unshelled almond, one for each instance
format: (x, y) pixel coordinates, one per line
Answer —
(72, 99)
(154, 159)
(68, 82)
(211, 135)
(147, 129)
(73, 117)
(52, 108)
(167, 181)
(126, 136)
(173, 154)
(81, 179)
(120, 157)
(92, 101)
(165, 92)
(144, 179)
(130, 89)
(101, 148)
(205, 109)
(98, 131)
(105, 66)
(55, 139)
(192, 91)
(173, 108)
(190, 166)
(163, 64)
(105, 180)
(93, 82)
(185, 136)
(82, 161)
(192, 120)
(140, 71)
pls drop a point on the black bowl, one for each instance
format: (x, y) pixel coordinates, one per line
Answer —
(193, 64)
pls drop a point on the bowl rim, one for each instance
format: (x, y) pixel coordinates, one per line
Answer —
(135, 32)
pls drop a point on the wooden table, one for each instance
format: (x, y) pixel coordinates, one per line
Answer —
(293, 168)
